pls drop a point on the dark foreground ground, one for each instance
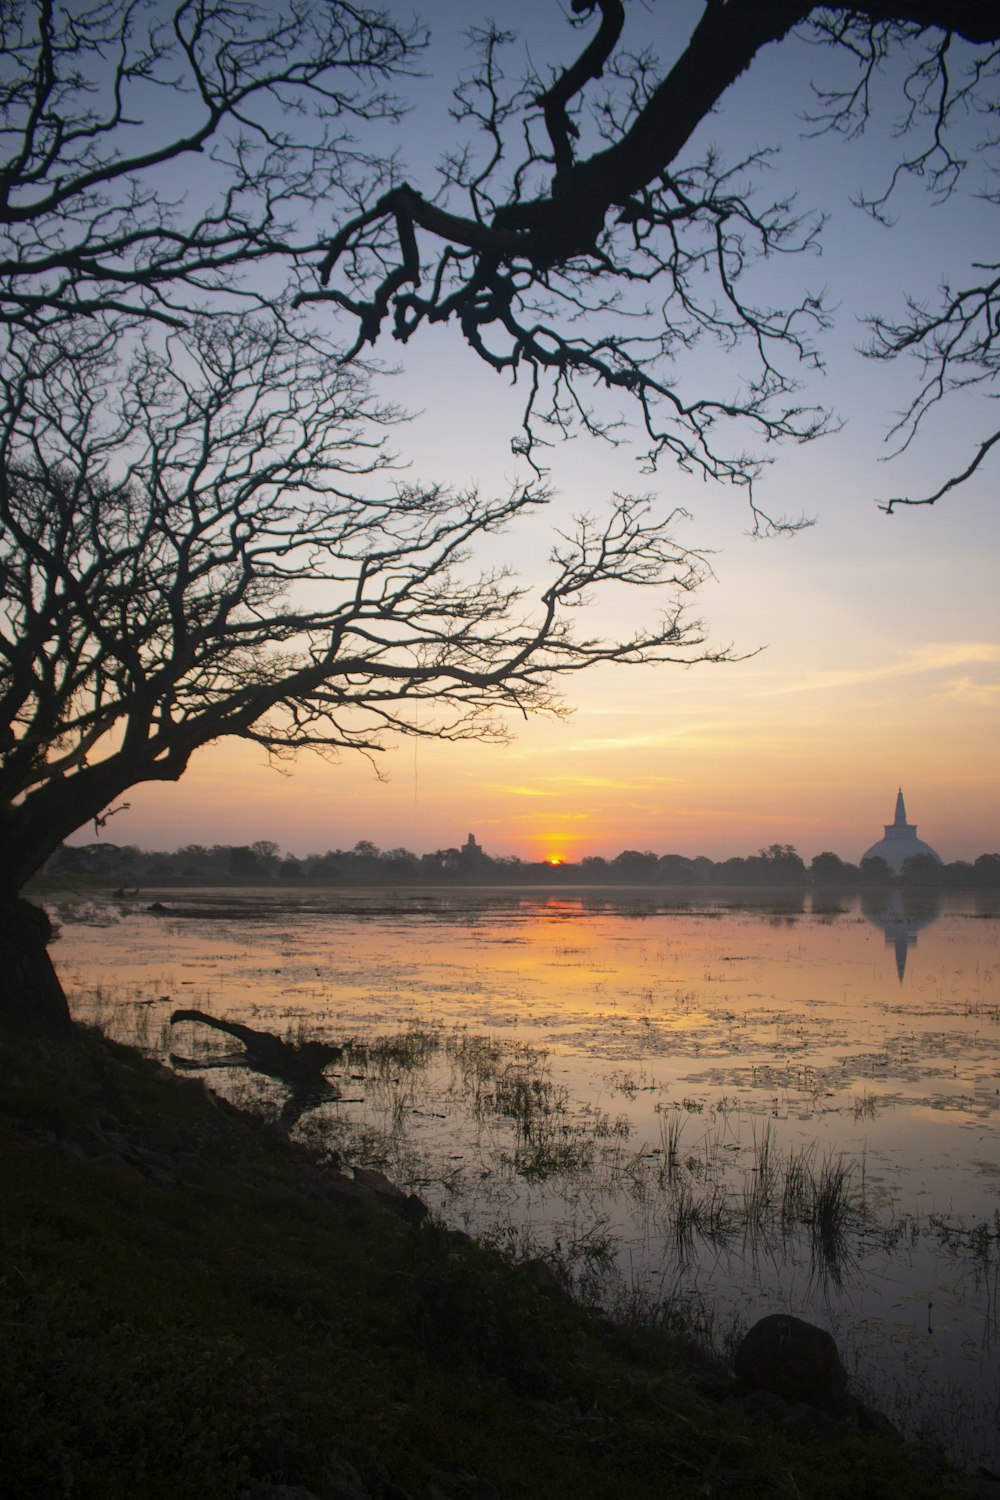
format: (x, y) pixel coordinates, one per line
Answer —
(191, 1307)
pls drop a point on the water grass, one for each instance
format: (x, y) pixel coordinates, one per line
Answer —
(476, 1122)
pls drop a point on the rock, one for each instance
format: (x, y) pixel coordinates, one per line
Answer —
(795, 1360)
(765, 1404)
(876, 1422)
(377, 1182)
(457, 1237)
(408, 1204)
(807, 1424)
(542, 1276)
(341, 1481)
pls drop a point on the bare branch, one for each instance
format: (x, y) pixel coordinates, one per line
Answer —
(590, 274)
(92, 220)
(207, 544)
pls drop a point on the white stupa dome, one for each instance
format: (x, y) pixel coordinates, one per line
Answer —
(900, 842)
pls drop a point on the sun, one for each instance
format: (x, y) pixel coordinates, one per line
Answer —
(555, 859)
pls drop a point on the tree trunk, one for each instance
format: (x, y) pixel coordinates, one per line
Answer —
(30, 992)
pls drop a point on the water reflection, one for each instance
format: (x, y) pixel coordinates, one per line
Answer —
(740, 1098)
(901, 916)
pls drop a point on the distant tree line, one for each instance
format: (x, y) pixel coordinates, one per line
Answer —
(779, 865)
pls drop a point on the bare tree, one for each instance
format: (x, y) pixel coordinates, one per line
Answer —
(209, 543)
(200, 535)
(572, 242)
(149, 152)
(568, 235)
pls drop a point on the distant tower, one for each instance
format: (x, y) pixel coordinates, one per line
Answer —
(472, 854)
(900, 842)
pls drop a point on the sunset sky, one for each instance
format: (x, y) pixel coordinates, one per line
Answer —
(877, 637)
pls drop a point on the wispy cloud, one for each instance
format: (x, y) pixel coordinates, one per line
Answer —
(647, 739)
(967, 690)
(553, 786)
(521, 791)
(930, 657)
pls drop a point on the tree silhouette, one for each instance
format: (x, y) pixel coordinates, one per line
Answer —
(199, 536)
(569, 236)
(572, 242)
(211, 542)
(149, 153)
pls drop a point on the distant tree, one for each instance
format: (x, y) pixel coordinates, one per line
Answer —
(875, 871)
(443, 862)
(243, 862)
(398, 865)
(986, 871)
(193, 854)
(331, 867)
(66, 860)
(634, 865)
(924, 869)
(781, 863)
(828, 868)
(265, 850)
(674, 869)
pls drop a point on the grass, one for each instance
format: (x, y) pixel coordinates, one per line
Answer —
(189, 1308)
(714, 1192)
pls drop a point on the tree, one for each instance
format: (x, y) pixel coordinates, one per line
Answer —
(828, 868)
(210, 542)
(986, 871)
(674, 869)
(572, 242)
(243, 862)
(103, 105)
(634, 864)
(569, 236)
(781, 862)
(924, 869)
(194, 538)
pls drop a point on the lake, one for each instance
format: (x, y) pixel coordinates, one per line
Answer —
(718, 1105)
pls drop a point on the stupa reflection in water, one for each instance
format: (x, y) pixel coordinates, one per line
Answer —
(901, 918)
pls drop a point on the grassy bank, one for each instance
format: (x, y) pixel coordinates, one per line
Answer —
(190, 1307)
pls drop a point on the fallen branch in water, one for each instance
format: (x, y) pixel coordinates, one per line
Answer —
(300, 1065)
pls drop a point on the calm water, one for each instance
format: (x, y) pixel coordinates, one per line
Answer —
(643, 1087)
